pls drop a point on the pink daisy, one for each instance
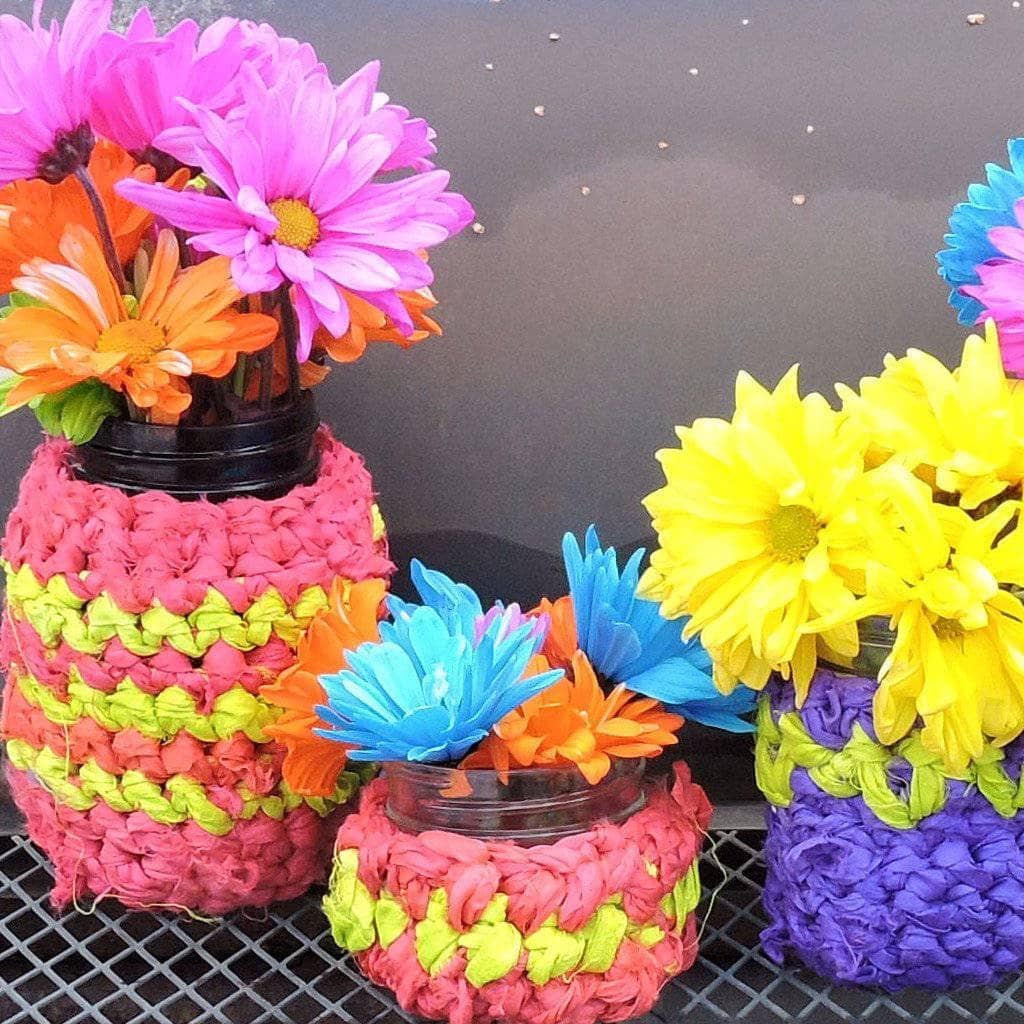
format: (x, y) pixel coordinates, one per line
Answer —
(139, 77)
(45, 77)
(1001, 290)
(296, 200)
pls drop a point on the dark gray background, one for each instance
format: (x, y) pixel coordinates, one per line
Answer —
(581, 328)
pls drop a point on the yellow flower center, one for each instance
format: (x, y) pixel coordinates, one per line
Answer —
(137, 339)
(792, 532)
(298, 226)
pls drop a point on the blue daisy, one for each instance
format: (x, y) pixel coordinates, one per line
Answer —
(988, 206)
(627, 639)
(442, 675)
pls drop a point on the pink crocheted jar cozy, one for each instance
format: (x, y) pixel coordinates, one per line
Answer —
(586, 929)
(137, 633)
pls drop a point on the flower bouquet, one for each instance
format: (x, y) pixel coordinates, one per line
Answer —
(511, 863)
(191, 226)
(863, 567)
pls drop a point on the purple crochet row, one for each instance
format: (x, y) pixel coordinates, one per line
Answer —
(938, 906)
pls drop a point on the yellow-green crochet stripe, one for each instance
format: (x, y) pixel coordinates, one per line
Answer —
(863, 768)
(493, 945)
(158, 716)
(56, 614)
(178, 800)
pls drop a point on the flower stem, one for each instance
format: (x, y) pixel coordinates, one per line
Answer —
(239, 377)
(103, 222)
(266, 358)
(291, 340)
(135, 414)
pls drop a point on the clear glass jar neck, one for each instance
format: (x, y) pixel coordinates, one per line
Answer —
(530, 806)
(876, 644)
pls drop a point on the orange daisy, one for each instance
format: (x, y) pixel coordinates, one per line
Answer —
(368, 324)
(573, 722)
(561, 642)
(33, 214)
(181, 324)
(312, 764)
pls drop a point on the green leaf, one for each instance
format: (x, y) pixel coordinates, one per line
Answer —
(19, 300)
(78, 411)
(7, 385)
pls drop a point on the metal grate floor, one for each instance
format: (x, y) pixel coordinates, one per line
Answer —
(113, 967)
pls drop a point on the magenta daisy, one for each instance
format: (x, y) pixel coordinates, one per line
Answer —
(296, 201)
(1001, 289)
(44, 92)
(139, 77)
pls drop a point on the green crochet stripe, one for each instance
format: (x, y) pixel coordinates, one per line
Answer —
(494, 945)
(179, 799)
(56, 614)
(863, 768)
(158, 716)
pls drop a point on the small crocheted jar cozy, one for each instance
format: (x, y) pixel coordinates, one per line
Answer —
(137, 633)
(585, 929)
(883, 870)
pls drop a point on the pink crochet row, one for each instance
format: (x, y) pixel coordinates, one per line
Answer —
(635, 864)
(221, 668)
(628, 990)
(143, 864)
(227, 764)
(149, 547)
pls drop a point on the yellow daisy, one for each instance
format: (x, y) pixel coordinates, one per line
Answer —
(961, 430)
(958, 660)
(756, 533)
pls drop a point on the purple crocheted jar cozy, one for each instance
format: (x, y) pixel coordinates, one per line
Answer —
(935, 903)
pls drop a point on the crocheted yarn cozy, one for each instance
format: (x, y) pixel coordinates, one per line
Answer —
(882, 870)
(583, 930)
(137, 633)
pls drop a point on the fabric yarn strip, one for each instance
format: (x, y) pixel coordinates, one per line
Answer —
(583, 930)
(930, 899)
(138, 632)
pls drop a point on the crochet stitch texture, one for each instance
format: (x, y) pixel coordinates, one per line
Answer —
(930, 899)
(583, 930)
(137, 633)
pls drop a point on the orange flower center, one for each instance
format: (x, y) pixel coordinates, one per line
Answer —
(298, 226)
(792, 532)
(137, 339)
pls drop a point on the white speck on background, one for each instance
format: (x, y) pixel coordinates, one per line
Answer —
(799, 199)
(584, 190)
(540, 110)
(663, 144)
(809, 129)
(478, 228)
(554, 36)
(975, 19)
(694, 71)
(488, 66)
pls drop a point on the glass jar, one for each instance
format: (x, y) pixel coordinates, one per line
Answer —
(530, 806)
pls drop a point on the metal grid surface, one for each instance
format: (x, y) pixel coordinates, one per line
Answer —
(113, 967)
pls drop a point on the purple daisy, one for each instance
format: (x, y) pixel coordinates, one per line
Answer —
(45, 80)
(296, 200)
